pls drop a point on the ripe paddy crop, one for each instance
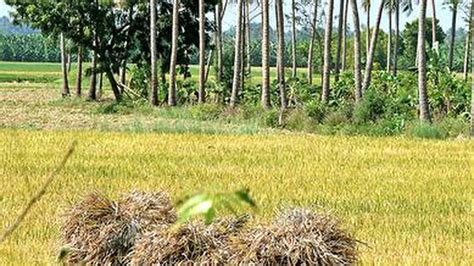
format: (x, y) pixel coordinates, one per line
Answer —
(409, 200)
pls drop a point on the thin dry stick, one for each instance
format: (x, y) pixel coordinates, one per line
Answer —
(38, 195)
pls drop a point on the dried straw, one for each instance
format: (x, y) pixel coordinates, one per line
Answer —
(191, 243)
(296, 237)
(101, 231)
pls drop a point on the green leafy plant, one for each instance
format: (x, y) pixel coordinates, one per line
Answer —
(208, 204)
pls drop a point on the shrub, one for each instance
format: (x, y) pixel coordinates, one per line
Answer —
(206, 111)
(316, 110)
(371, 108)
(336, 118)
(270, 118)
(298, 120)
(427, 131)
(454, 127)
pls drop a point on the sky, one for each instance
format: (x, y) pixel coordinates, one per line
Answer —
(443, 14)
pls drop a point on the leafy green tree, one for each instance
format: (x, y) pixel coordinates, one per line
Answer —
(410, 39)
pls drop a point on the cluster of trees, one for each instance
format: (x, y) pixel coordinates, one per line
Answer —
(28, 48)
(160, 35)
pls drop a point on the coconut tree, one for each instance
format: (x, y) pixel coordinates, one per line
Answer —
(281, 56)
(344, 36)
(472, 68)
(453, 6)
(293, 38)
(422, 91)
(357, 52)
(397, 36)
(174, 54)
(312, 41)
(79, 72)
(265, 55)
(236, 80)
(64, 68)
(327, 53)
(202, 52)
(366, 4)
(93, 78)
(467, 46)
(153, 52)
(373, 44)
(433, 26)
(247, 37)
(389, 10)
(340, 28)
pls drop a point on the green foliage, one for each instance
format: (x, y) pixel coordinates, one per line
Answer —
(206, 111)
(316, 110)
(426, 131)
(208, 204)
(298, 120)
(32, 47)
(371, 108)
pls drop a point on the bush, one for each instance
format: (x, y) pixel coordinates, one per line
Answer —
(206, 111)
(371, 108)
(454, 127)
(316, 110)
(298, 120)
(426, 131)
(270, 118)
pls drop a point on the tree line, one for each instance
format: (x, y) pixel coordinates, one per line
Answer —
(160, 36)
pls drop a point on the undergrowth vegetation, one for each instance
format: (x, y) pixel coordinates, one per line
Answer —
(389, 107)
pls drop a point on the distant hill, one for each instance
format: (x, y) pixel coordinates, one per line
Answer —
(7, 27)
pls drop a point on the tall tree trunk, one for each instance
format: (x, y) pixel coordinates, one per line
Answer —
(373, 44)
(433, 27)
(265, 55)
(101, 83)
(344, 37)
(65, 89)
(202, 52)
(237, 56)
(174, 54)
(218, 38)
(472, 67)
(311, 43)
(123, 68)
(339, 40)
(327, 53)
(293, 39)
(357, 52)
(243, 55)
(281, 56)
(79, 72)
(397, 37)
(113, 83)
(247, 38)
(69, 61)
(467, 51)
(423, 97)
(389, 41)
(453, 36)
(367, 38)
(93, 77)
(154, 69)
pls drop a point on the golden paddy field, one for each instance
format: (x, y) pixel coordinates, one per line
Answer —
(409, 200)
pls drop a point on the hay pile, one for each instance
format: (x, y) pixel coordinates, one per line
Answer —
(141, 229)
(102, 231)
(191, 243)
(297, 237)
